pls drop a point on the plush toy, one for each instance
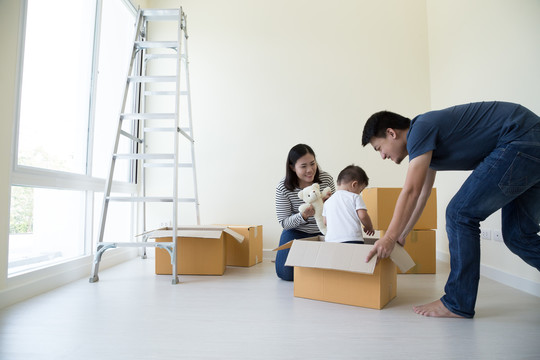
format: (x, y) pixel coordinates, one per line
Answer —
(312, 196)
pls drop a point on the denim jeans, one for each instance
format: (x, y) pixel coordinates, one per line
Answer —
(507, 179)
(282, 271)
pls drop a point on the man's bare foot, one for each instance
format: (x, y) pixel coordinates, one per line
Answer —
(435, 309)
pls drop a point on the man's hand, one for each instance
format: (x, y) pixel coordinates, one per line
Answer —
(382, 248)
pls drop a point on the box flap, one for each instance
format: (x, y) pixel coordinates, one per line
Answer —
(196, 231)
(329, 255)
(401, 258)
(339, 256)
(287, 245)
(234, 234)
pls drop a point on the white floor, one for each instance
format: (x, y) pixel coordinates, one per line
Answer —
(250, 314)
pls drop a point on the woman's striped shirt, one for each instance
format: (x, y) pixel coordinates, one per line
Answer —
(287, 203)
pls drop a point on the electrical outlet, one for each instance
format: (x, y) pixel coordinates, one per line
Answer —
(497, 235)
(485, 234)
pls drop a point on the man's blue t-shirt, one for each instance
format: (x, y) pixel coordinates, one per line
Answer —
(462, 136)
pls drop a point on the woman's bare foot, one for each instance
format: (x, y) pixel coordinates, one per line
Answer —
(435, 309)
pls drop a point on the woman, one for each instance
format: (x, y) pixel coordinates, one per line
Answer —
(301, 171)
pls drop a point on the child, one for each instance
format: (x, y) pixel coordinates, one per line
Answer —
(345, 212)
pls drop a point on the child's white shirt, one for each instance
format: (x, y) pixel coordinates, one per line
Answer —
(342, 221)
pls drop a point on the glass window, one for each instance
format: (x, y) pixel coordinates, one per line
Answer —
(66, 128)
(44, 227)
(116, 43)
(57, 68)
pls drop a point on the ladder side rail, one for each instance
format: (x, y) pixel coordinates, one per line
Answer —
(142, 178)
(190, 122)
(176, 145)
(108, 186)
(143, 121)
(138, 128)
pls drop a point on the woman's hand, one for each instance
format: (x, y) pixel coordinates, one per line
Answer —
(309, 211)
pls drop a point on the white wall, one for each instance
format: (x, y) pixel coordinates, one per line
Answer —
(484, 50)
(267, 75)
(9, 28)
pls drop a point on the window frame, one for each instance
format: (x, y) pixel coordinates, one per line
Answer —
(22, 175)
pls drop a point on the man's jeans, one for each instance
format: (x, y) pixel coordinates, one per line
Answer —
(282, 271)
(509, 178)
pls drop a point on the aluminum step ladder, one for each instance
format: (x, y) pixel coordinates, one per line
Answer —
(157, 70)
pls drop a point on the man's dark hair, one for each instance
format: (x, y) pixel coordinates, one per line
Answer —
(377, 124)
(353, 173)
(291, 179)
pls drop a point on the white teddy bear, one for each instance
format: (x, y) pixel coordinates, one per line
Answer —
(312, 196)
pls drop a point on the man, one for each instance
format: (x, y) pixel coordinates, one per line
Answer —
(500, 142)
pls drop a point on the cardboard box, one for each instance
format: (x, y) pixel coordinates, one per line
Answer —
(200, 250)
(248, 252)
(421, 246)
(380, 203)
(337, 272)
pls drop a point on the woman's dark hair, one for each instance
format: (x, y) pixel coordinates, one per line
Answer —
(297, 151)
(377, 124)
(353, 173)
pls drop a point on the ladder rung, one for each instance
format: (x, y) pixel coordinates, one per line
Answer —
(160, 129)
(163, 92)
(146, 79)
(168, 165)
(138, 244)
(161, 14)
(144, 156)
(160, 56)
(156, 44)
(149, 116)
(149, 199)
(184, 130)
(160, 93)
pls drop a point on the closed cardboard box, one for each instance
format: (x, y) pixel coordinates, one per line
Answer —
(421, 246)
(194, 256)
(380, 203)
(337, 272)
(200, 250)
(248, 252)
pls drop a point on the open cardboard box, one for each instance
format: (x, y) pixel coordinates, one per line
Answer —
(337, 272)
(248, 252)
(201, 250)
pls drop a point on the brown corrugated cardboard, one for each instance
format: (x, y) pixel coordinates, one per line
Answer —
(248, 252)
(337, 272)
(421, 246)
(200, 250)
(380, 203)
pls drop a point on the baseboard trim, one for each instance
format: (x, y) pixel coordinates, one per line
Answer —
(502, 277)
(269, 254)
(28, 285)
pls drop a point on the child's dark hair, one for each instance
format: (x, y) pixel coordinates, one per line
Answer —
(377, 124)
(353, 173)
(297, 151)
